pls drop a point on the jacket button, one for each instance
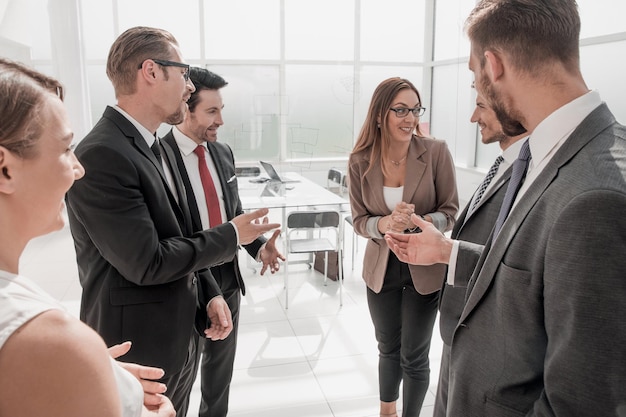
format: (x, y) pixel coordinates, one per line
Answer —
(194, 280)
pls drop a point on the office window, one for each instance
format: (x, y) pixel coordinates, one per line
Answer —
(252, 106)
(453, 102)
(450, 39)
(179, 17)
(392, 34)
(98, 29)
(242, 29)
(319, 30)
(601, 17)
(319, 108)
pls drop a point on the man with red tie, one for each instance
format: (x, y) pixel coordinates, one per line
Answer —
(208, 172)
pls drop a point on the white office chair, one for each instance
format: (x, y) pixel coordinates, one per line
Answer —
(305, 223)
(333, 181)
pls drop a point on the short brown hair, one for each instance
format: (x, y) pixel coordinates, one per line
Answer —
(532, 33)
(22, 95)
(129, 51)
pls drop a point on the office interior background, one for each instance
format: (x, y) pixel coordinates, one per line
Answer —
(300, 74)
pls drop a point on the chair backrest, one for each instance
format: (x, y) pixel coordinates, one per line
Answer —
(344, 185)
(247, 171)
(313, 219)
(333, 182)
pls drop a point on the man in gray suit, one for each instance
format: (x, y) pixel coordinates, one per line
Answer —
(542, 330)
(472, 227)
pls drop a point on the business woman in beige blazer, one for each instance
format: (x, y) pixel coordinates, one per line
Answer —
(395, 171)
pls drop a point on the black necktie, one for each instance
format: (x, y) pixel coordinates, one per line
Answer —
(518, 174)
(156, 150)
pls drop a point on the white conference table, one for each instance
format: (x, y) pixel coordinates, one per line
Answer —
(290, 195)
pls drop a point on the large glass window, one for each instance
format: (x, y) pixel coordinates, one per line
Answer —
(242, 29)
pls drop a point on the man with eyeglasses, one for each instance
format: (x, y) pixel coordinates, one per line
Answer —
(143, 269)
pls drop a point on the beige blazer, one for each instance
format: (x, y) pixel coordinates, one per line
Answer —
(430, 184)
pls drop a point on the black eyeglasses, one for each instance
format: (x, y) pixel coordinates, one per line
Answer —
(404, 111)
(166, 63)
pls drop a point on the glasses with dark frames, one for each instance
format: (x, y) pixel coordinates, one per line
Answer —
(404, 111)
(166, 63)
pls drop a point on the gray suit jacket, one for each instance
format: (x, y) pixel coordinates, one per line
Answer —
(542, 332)
(472, 232)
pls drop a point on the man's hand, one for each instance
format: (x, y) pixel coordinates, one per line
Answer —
(145, 374)
(270, 255)
(426, 248)
(221, 319)
(250, 228)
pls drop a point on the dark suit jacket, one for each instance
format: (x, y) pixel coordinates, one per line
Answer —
(135, 249)
(224, 160)
(473, 229)
(430, 184)
(542, 332)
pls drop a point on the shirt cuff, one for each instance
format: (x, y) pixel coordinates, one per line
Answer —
(372, 227)
(236, 232)
(211, 300)
(258, 254)
(452, 262)
(439, 221)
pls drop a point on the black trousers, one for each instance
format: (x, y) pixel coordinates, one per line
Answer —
(179, 385)
(403, 323)
(218, 357)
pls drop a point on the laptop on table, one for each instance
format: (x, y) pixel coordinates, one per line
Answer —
(274, 177)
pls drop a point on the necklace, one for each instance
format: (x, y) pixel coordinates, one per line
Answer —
(397, 163)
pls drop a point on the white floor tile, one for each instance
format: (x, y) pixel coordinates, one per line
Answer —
(315, 359)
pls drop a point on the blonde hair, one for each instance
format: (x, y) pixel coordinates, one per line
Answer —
(22, 95)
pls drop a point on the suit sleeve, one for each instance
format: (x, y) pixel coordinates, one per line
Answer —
(118, 205)
(584, 293)
(447, 195)
(466, 261)
(360, 214)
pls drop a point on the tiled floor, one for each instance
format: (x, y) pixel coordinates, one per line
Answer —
(313, 360)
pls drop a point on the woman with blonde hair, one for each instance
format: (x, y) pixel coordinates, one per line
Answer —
(51, 364)
(395, 171)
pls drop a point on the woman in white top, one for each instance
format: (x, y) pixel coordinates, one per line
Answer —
(395, 171)
(51, 364)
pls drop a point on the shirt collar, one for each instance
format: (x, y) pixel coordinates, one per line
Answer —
(184, 142)
(145, 133)
(511, 153)
(560, 124)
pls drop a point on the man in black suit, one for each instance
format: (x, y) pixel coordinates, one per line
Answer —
(195, 142)
(473, 227)
(136, 251)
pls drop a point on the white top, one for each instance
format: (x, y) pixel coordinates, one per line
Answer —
(392, 196)
(21, 300)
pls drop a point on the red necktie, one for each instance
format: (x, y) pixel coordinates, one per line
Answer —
(212, 201)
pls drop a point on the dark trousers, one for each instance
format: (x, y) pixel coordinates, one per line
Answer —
(403, 322)
(179, 385)
(441, 402)
(218, 358)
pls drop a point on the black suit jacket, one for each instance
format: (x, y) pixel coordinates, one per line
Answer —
(473, 229)
(135, 249)
(229, 274)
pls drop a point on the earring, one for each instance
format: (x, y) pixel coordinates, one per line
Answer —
(378, 125)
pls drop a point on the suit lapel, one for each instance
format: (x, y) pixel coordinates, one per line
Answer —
(598, 120)
(415, 169)
(170, 158)
(184, 177)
